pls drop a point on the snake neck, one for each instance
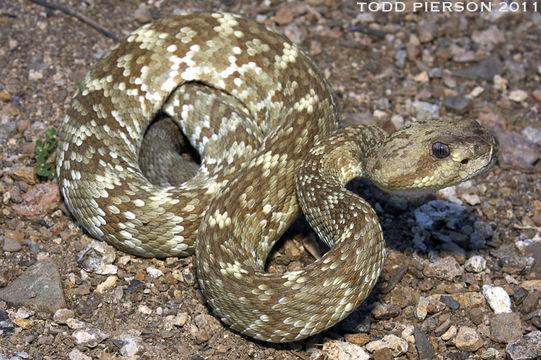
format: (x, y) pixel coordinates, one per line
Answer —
(335, 213)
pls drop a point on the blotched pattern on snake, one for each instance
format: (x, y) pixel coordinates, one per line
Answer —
(265, 124)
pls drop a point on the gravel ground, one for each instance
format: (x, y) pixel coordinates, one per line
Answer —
(463, 271)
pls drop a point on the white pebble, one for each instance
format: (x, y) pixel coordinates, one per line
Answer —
(397, 345)
(130, 346)
(76, 354)
(497, 298)
(475, 264)
(153, 272)
(143, 309)
(518, 95)
(341, 350)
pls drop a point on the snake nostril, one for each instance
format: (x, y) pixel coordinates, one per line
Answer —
(465, 161)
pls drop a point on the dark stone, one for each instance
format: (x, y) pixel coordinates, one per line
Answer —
(450, 302)
(476, 315)
(459, 103)
(519, 294)
(38, 287)
(424, 348)
(486, 69)
(534, 250)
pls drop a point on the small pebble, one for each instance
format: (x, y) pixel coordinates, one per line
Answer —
(24, 313)
(519, 294)
(153, 272)
(11, 245)
(88, 338)
(491, 354)
(341, 350)
(385, 311)
(97, 258)
(468, 339)
(397, 345)
(62, 315)
(475, 264)
(76, 354)
(450, 302)
(459, 103)
(425, 111)
(518, 95)
(131, 345)
(532, 134)
(497, 298)
(472, 199)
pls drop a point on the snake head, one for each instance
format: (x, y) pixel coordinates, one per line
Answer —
(430, 155)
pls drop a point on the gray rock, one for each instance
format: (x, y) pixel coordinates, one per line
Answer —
(519, 294)
(427, 30)
(491, 354)
(131, 345)
(97, 257)
(516, 150)
(425, 111)
(532, 134)
(505, 327)
(450, 302)
(527, 347)
(486, 69)
(459, 103)
(11, 245)
(38, 287)
(424, 348)
(61, 316)
(435, 73)
(400, 57)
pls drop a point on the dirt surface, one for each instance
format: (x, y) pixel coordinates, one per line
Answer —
(447, 261)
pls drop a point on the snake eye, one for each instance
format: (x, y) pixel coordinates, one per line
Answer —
(440, 150)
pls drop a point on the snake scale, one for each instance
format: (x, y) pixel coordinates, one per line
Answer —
(266, 126)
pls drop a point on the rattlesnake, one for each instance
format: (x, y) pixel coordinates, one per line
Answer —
(254, 106)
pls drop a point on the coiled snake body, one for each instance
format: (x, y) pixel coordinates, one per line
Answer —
(254, 106)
